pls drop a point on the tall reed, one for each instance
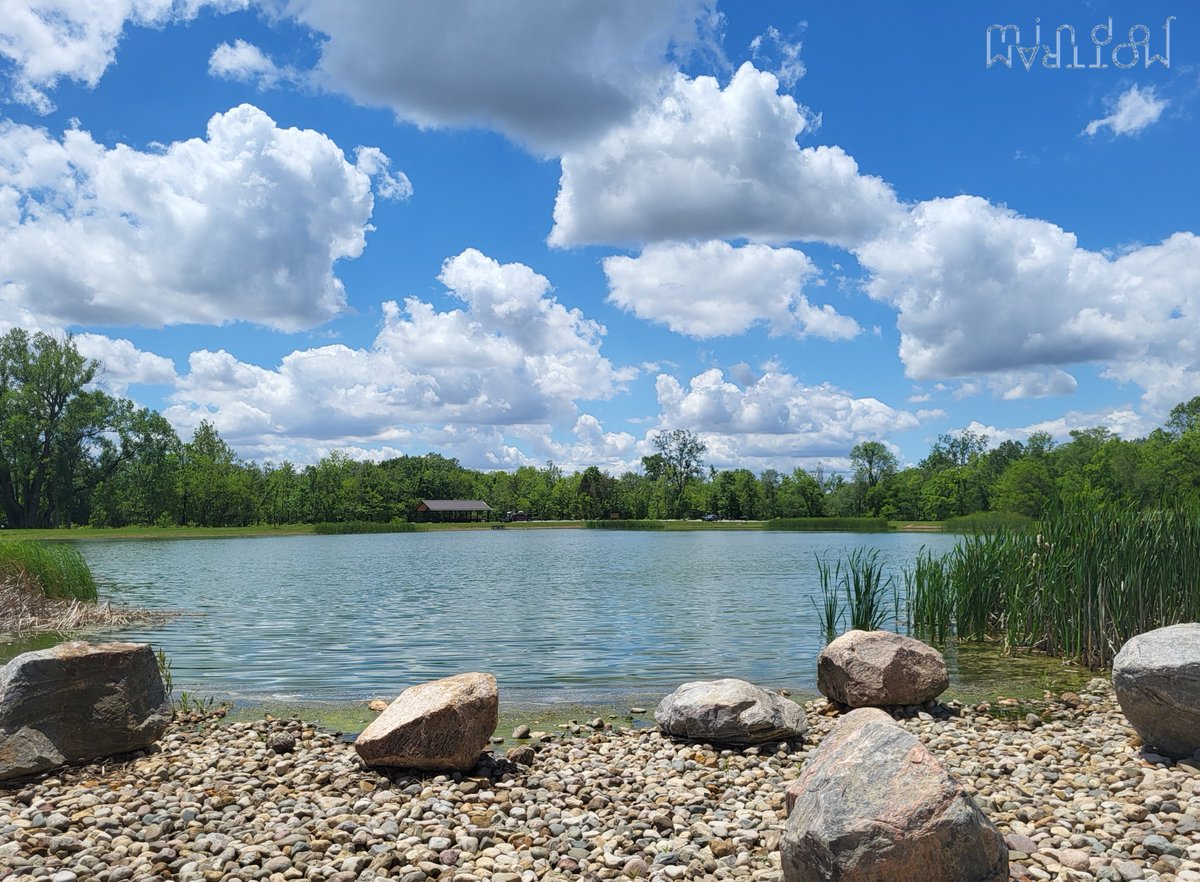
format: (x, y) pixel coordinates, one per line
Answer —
(855, 587)
(1078, 585)
(830, 612)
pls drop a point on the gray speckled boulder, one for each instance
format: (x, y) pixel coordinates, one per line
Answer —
(729, 711)
(880, 669)
(79, 701)
(1156, 676)
(439, 726)
(874, 805)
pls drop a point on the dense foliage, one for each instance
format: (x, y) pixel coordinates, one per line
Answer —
(71, 454)
(1078, 584)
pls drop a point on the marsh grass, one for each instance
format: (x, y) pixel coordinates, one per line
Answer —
(24, 609)
(1077, 585)
(863, 525)
(855, 589)
(340, 528)
(830, 612)
(986, 522)
(624, 524)
(48, 587)
(57, 570)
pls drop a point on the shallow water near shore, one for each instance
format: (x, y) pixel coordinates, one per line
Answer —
(594, 619)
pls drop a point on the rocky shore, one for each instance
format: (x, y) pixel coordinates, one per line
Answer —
(279, 800)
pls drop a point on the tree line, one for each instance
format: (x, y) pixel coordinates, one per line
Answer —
(71, 454)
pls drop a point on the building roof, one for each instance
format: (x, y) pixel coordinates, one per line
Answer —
(455, 505)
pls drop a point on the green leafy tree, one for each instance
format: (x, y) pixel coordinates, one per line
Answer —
(1184, 417)
(1026, 487)
(682, 453)
(873, 464)
(51, 426)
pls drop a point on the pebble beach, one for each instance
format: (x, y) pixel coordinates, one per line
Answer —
(279, 800)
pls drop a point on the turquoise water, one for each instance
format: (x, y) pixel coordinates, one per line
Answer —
(571, 615)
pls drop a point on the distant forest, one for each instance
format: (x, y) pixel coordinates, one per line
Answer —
(72, 455)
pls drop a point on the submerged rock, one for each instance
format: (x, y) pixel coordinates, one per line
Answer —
(1156, 676)
(874, 805)
(729, 711)
(79, 701)
(880, 669)
(442, 725)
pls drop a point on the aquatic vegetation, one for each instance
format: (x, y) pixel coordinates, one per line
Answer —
(865, 525)
(58, 570)
(1078, 584)
(624, 524)
(857, 587)
(338, 528)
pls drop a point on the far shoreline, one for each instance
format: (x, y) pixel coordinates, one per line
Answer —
(93, 534)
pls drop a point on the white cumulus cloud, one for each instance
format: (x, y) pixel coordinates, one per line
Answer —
(981, 289)
(546, 73)
(246, 63)
(706, 162)
(123, 363)
(511, 356)
(46, 41)
(1012, 385)
(776, 420)
(711, 289)
(1132, 112)
(244, 224)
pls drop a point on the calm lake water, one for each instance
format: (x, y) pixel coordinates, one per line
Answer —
(556, 615)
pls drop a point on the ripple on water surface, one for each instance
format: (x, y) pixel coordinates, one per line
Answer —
(559, 614)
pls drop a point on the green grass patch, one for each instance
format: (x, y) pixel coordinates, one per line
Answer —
(58, 570)
(860, 525)
(987, 522)
(625, 524)
(339, 528)
(84, 533)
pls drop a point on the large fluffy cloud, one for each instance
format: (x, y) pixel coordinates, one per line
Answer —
(711, 289)
(512, 356)
(544, 72)
(981, 289)
(775, 419)
(711, 163)
(45, 41)
(243, 224)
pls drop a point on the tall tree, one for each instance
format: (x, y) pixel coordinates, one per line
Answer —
(50, 425)
(682, 454)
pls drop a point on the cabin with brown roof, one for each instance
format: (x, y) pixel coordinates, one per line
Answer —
(449, 510)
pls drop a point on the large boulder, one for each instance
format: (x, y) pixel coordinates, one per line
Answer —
(729, 711)
(79, 701)
(440, 726)
(874, 805)
(1156, 676)
(880, 669)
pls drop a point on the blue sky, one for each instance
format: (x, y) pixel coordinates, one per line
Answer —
(512, 232)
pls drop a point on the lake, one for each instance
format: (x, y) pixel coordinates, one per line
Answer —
(556, 615)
